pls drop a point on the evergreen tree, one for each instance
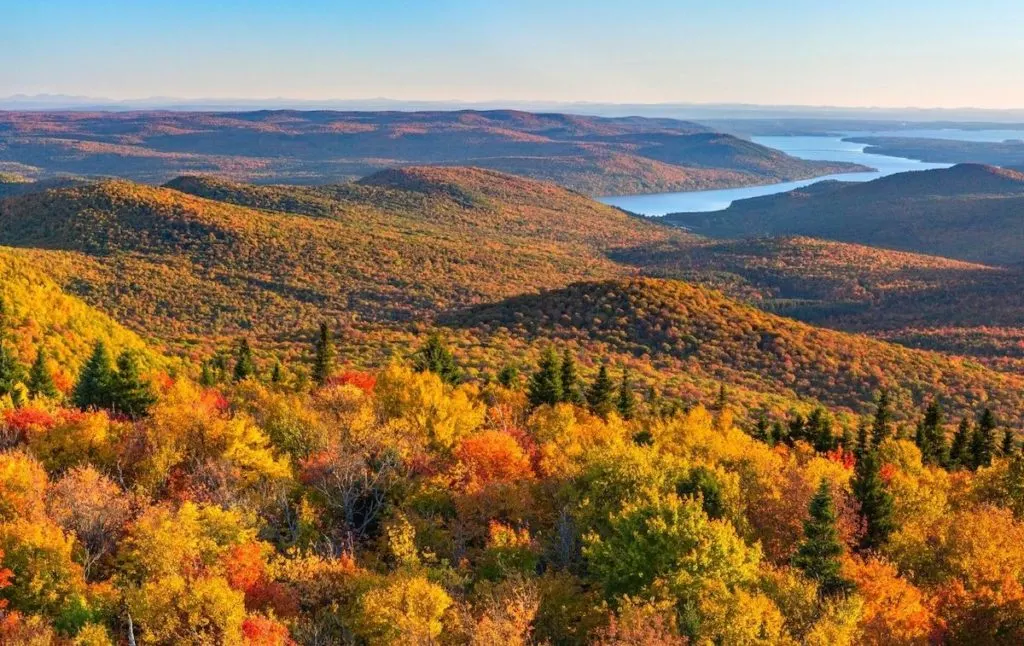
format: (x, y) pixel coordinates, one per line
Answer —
(627, 399)
(276, 373)
(571, 390)
(881, 426)
(931, 437)
(818, 555)
(323, 361)
(875, 502)
(723, 398)
(600, 395)
(94, 382)
(849, 439)
(207, 378)
(762, 430)
(820, 431)
(545, 385)
(983, 442)
(960, 450)
(40, 381)
(245, 366)
(508, 377)
(797, 428)
(129, 393)
(863, 442)
(1009, 445)
(435, 357)
(778, 433)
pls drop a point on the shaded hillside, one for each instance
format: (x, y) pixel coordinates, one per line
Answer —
(400, 246)
(968, 212)
(1002, 153)
(685, 328)
(590, 154)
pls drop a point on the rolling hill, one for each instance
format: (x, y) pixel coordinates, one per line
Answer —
(685, 329)
(968, 212)
(598, 156)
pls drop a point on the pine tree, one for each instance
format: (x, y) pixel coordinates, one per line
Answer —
(875, 502)
(435, 357)
(797, 428)
(93, 387)
(778, 433)
(723, 398)
(863, 446)
(1009, 445)
(932, 437)
(600, 395)
(818, 555)
(245, 367)
(508, 377)
(277, 373)
(762, 430)
(545, 385)
(983, 442)
(960, 450)
(881, 426)
(820, 431)
(129, 394)
(40, 381)
(627, 399)
(323, 361)
(207, 378)
(571, 391)
(849, 439)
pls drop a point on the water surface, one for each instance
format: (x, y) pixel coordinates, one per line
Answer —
(832, 148)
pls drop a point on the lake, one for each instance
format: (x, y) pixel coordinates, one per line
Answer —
(831, 148)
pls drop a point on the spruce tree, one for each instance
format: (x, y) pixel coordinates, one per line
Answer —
(762, 430)
(1008, 445)
(40, 381)
(277, 373)
(863, 446)
(932, 436)
(875, 502)
(94, 382)
(849, 439)
(626, 403)
(881, 426)
(818, 555)
(723, 398)
(207, 378)
(323, 361)
(508, 377)
(434, 356)
(571, 390)
(820, 431)
(983, 442)
(129, 394)
(960, 450)
(545, 385)
(245, 366)
(601, 394)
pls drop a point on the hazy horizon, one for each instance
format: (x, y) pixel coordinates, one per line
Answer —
(914, 54)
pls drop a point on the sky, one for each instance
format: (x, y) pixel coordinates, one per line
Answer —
(885, 53)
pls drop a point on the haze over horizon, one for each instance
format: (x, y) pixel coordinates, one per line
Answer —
(915, 54)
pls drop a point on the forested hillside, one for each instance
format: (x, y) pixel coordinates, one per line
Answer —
(594, 155)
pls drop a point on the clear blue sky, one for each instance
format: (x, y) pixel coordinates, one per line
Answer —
(812, 52)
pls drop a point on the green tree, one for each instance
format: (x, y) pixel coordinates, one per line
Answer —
(93, 387)
(207, 378)
(931, 437)
(627, 398)
(434, 356)
(820, 430)
(875, 502)
(960, 450)
(508, 376)
(863, 446)
(129, 393)
(245, 366)
(40, 381)
(11, 371)
(983, 442)
(881, 426)
(601, 394)
(545, 385)
(571, 390)
(277, 373)
(1009, 445)
(818, 554)
(323, 360)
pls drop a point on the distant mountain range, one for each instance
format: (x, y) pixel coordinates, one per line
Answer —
(969, 212)
(594, 155)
